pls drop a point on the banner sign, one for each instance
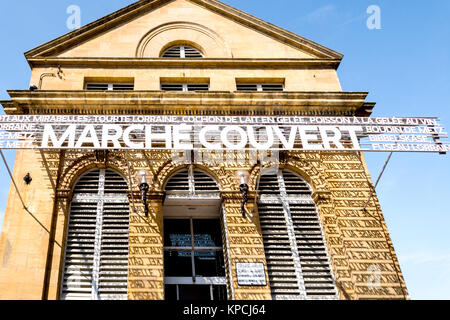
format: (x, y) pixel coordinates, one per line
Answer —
(393, 134)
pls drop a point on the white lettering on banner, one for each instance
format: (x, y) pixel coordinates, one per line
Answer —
(150, 137)
(182, 132)
(183, 140)
(114, 138)
(261, 146)
(126, 136)
(217, 133)
(288, 144)
(85, 139)
(328, 139)
(203, 140)
(225, 140)
(58, 143)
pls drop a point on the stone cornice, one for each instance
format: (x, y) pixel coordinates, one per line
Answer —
(178, 103)
(185, 63)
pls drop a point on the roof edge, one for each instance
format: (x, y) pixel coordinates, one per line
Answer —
(109, 19)
(116, 18)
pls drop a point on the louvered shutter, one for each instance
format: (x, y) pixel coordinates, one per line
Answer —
(191, 181)
(96, 255)
(260, 87)
(204, 183)
(246, 87)
(184, 87)
(272, 87)
(296, 254)
(172, 86)
(123, 86)
(198, 87)
(179, 182)
(97, 86)
(191, 52)
(182, 52)
(109, 86)
(316, 271)
(173, 52)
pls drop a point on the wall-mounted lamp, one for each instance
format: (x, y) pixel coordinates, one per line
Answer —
(143, 179)
(27, 179)
(243, 177)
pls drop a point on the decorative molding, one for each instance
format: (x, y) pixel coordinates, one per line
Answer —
(205, 63)
(174, 103)
(322, 197)
(217, 41)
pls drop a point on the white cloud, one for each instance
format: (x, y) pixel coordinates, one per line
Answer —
(321, 14)
(354, 19)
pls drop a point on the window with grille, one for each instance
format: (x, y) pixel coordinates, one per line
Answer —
(182, 51)
(296, 252)
(109, 86)
(96, 253)
(260, 87)
(184, 87)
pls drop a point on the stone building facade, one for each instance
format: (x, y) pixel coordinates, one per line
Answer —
(84, 233)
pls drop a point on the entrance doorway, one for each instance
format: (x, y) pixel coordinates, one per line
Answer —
(194, 264)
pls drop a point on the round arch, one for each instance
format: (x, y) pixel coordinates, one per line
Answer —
(90, 169)
(88, 162)
(156, 40)
(169, 170)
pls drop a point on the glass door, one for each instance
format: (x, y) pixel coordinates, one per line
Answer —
(193, 259)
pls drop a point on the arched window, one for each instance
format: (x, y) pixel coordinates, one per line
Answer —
(194, 266)
(182, 51)
(296, 253)
(96, 252)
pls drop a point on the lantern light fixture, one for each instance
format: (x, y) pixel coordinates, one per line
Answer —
(143, 179)
(243, 177)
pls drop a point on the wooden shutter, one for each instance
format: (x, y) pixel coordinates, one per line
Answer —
(296, 253)
(96, 255)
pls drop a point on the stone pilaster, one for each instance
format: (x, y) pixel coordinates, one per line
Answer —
(146, 257)
(245, 244)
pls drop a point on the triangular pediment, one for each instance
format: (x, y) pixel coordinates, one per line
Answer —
(144, 28)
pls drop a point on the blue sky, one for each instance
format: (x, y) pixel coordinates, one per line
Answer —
(405, 66)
